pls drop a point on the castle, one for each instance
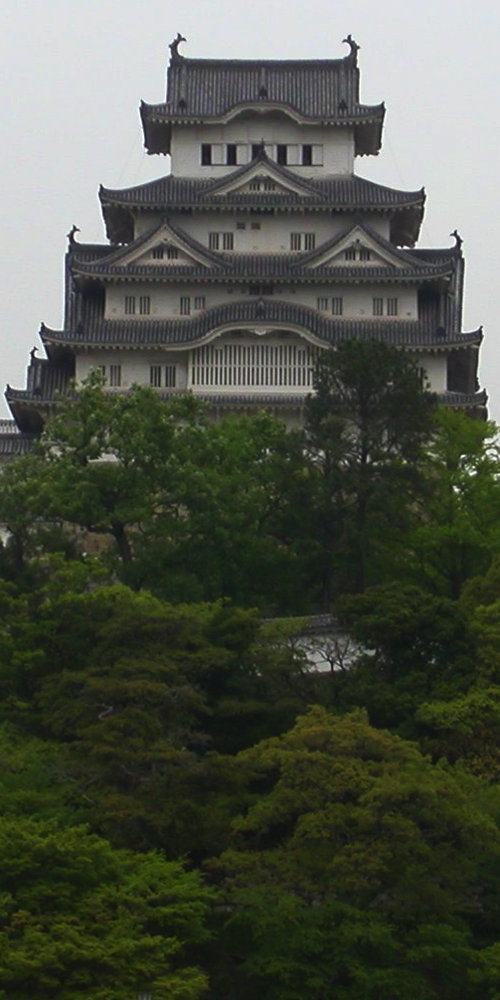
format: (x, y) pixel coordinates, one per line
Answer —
(260, 248)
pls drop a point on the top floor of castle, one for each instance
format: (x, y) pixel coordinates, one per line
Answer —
(306, 115)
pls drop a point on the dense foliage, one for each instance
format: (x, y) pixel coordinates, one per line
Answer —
(187, 807)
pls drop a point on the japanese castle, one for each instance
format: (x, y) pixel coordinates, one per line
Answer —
(260, 248)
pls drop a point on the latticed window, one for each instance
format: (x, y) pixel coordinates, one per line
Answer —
(185, 305)
(378, 307)
(302, 241)
(350, 253)
(199, 302)
(144, 305)
(322, 303)
(170, 376)
(130, 305)
(253, 365)
(172, 253)
(221, 241)
(337, 306)
(115, 375)
(155, 376)
(392, 307)
(364, 254)
(158, 253)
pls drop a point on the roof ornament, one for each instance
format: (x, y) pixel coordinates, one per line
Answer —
(354, 47)
(33, 352)
(71, 235)
(458, 239)
(174, 46)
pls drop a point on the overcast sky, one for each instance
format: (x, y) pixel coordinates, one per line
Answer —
(74, 72)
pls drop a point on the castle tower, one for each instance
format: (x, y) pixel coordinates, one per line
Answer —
(260, 248)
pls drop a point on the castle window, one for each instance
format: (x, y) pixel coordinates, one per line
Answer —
(185, 305)
(254, 185)
(350, 253)
(130, 305)
(221, 241)
(241, 225)
(160, 375)
(364, 254)
(231, 154)
(199, 302)
(206, 154)
(260, 289)
(255, 365)
(378, 307)
(281, 154)
(155, 376)
(172, 253)
(337, 306)
(302, 241)
(115, 375)
(170, 376)
(392, 307)
(269, 186)
(212, 153)
(158, 253)
(322, 303)
(144, 305)
(307, 155)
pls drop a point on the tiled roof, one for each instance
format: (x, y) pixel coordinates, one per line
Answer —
(15, 443)
(279, 267)
(332, 194)
(347, 193)
(204, 90)
(463, 400)
(142, 332)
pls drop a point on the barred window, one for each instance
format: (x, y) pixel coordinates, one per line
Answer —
(322, 303)
(130, 305)
(392, 307)
(378, 307)
(115, 375)
(337, 306)
(185, 305)
(172, 253)
(158, 253)
(350, 253)
(302, 241)
(364, 254)
(224, 241)
(144, 305)
(255, 365)
(155, 376)
(199, 302)
(170, 376)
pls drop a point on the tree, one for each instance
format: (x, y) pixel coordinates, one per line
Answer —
(360, 870)
(458, 516)
(366, 425)
(81, 920)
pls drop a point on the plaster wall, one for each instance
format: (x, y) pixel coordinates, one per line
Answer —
(166, 299)
(338, 144)
(274, 233)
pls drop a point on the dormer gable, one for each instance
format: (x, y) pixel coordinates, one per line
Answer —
(165, 247)
(261, 176)
(361, 248)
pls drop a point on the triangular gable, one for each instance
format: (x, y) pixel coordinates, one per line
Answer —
(146, 251)
(260, 171)
(359, 248)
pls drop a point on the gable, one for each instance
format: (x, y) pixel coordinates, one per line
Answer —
(262, 176)
(358, 249)
(163, 248)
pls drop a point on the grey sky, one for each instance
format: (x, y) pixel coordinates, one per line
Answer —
(74, 72)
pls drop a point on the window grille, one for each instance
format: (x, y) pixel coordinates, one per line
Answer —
(185, 305)
(337, 306)
(392, 307)
(228, 241)
(309, 241)
(302, 241)
(378, 307)
(115, 375)
(350, 253)
(254, 366)
(322, 303)
(172, 253)
(199, 302)
(364, 254)
(213, 241)
(130, 305)
(155, 376)
(145, 305)
(170, 376)
(158, 253)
